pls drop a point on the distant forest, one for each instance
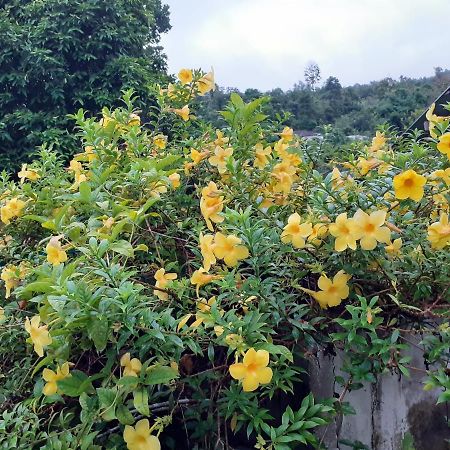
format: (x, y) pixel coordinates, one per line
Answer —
(356, 109)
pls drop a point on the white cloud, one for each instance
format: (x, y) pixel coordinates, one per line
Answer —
(267, 43)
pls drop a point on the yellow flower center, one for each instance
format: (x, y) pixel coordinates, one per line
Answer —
(409, 182)
(141, 440)
(369, 228)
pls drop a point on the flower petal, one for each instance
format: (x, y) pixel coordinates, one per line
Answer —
(262, 358)
(237, 371)
(250, 357)
(264, 375)
(142, 427)
(250, 383)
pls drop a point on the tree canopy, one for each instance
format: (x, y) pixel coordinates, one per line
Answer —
(352, 109)
(60, 55)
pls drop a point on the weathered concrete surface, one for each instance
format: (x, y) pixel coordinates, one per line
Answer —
(385, 411)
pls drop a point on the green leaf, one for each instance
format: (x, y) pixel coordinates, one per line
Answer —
(123, 248)
(98, 331)
(75, 385)
(85, 192)
(57, 302)
(277, 350)
(107, 399)
(41, 287)
(127, 381)
(140, 401)
(124, 415)
(160, 375)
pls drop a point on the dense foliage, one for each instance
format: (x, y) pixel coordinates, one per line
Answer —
(167, 287)
(59, 55)
(357, 109)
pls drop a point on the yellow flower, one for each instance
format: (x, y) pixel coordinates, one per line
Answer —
(134, 120)
(197, 156)
(393, 249)
(87, 155)
(79, 178)
(220, 158)
(365, 165)
(162, 280)
(296, 232)
(55, 253)
(183, 112)
(220, 140)
(287, 134)
(160, 141)
(344, 232)
(131, 367)
(319, 230)
(207, 249)
(206, 83)
(409, 184)
(51, 387)
(203, 312)
(139, 437)
(331, 292)
(444, 174)
(433, 120)
(292, 159)
(444, 144)
(11, 276)
(200, 277)
(280, 148)
(336, 178)
(158, 188)
(284, 175)
(439, 233)
(170, 91)
(219, 330)
(106, 120)
(107, 224)
(39, 335)
(229, 249)
(12, 208)
(75, 166)
(253, 370)
(211, 204)
(25, 173)
(370, 230)
(185, 76)
(261, 155)
(377, 142)
(174, 179)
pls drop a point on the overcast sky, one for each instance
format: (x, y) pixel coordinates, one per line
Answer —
(267, 43)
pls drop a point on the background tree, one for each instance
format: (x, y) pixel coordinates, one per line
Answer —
(312, 75)
(356, 109)
(59, 55)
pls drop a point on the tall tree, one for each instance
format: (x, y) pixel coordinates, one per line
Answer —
(312, 75)
(59, 55)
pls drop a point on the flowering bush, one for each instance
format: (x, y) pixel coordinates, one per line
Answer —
(165, 287)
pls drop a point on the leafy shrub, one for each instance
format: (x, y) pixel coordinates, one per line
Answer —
(60, 55)
(175, 279)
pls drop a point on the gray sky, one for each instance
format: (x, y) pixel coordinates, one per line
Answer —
(267, 43)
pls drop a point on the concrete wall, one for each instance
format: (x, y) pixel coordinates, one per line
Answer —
(386, 411)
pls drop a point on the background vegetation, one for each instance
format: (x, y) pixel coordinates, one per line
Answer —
(57, 56)
(357, 109)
